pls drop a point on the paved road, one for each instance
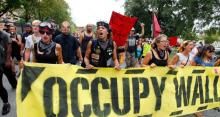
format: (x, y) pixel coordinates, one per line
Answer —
(11, 95)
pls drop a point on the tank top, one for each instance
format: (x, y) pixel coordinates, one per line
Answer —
(15, 48)
(45, 53)
(138, 52)
(85, 42)
(158, 61)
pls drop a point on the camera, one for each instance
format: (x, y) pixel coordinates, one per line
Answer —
(12, 35)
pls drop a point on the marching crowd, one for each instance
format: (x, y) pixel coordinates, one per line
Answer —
(43, 42)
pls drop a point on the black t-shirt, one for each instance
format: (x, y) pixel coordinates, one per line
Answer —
(69, 46)
(24, 35)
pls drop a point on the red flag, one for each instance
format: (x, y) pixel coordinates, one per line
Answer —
(173, 41)
(156, 26)
(121, 26)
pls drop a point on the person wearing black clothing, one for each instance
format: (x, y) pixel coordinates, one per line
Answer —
(5, 67)
(70, 46)
(16, 47)
(101, 51)
(84, 39)
(47, 51)
(56, 30)
(27, 32)
(158, 55)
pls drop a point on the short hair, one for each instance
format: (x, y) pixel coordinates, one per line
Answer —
(65, 22)
(36, 21)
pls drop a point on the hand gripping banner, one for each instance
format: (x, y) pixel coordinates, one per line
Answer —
(46, 90)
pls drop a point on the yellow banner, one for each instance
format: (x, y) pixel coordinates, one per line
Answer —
(70, 91)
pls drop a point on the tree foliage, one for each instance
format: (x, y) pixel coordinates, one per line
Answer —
(57, 10)
(176, 17)
(8, 5)
(211, 35)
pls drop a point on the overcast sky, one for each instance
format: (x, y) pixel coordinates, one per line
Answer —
(91, 11)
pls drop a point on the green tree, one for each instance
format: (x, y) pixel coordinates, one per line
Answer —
(8, 5)
(176, 17)
(211, 35)
(57, 10)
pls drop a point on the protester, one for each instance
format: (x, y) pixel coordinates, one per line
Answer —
(205, 57)
(31, 40)
(183, 57)
(5, 67)
(158, 56)
(138, 52)
(16, 47)
(27, 32)
(146, 46)
(101, 51)
(84, 39)
(70, 46)
(56, 30)
(47, 51)
(131, 45)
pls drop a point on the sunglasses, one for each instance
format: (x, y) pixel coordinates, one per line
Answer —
(211, 51)
(43, 32)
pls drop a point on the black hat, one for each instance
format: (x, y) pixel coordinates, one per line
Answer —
(102, 23)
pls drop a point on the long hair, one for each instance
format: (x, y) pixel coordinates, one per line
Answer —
(183, 45)
(206, 47)
(157, 40)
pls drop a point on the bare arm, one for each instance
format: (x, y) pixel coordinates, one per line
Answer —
(81, 38)
(147, 58)
(8, 55)
(19, 40)
(59, 54)
(87, 56)
(115, 57)
(173, 61)
(142, 29)
(79, 54)
(27, 54)
(193, 63)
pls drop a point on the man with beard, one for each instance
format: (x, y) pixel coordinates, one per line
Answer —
(27, 32)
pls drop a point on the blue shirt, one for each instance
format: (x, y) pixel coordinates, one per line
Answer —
(199, 61)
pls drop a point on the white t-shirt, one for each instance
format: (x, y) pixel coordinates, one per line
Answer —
(194, 51)
(30, 41)
(184, 60)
